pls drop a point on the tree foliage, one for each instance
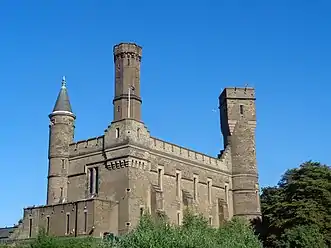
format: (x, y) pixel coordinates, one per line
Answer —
(195, 232)
(303, 236)
(300, 202)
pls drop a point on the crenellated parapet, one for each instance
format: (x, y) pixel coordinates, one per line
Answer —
(184, 153)
(127, 50)
(86, 146)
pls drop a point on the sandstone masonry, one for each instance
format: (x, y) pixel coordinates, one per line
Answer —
(104, 184)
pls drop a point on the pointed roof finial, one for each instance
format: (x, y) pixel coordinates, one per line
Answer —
(64, 82)
(62, 103)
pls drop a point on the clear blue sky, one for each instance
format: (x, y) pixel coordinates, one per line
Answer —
(191, 50)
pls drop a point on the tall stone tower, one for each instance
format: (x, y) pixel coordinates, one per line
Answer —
(127, 100)
(61, 134)
(238, 122)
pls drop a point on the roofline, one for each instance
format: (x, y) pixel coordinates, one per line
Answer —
(62, 112)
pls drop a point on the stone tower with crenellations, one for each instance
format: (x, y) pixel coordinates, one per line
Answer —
(104, 184)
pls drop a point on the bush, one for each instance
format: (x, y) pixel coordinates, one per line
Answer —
(195, 232)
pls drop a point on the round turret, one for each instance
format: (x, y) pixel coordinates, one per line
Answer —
(61, 134)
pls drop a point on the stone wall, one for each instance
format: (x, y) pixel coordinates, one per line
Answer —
(128, 174)
(86, 217)
(88, 146)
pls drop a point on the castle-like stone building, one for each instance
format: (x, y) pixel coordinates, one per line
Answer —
(104, 184)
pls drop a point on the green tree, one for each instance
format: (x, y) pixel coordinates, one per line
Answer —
(301, 198)
(303, 236)
(195, 232)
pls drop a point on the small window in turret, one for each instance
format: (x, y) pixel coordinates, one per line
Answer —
(241, 108)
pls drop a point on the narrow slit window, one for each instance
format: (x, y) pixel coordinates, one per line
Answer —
(241, 108)
(117, 132)
(118, 108)
(68, 224)
(61, 193)
(141, 211)
(257, 196)
(47, 225)
(159, 171)
(210, 220)
(91, 174)
(195, 187)
(85, 221)
(178, 218)
(30, 228)
(209, 190)
(96, 191)
(177, 184)
(226, 191)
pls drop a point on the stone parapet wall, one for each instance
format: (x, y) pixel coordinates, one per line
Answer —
(86, 146)
(169, 148)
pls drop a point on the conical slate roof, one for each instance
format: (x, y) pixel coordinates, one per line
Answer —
(62, 101)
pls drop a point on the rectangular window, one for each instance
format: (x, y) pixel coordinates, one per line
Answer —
(117, 133)
(178, 187)
(30, 228)
(91, 175)
(68, 224)
(160, 179)
(210, 220)
(195, 187)
(241, 108)
(47, 225)
(85, 221)
(63, 164)
(209, 184)
(178, 218)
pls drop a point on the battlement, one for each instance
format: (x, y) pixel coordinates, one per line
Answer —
(127, 48)
(30, 208)
(172, 149)
(245, 93)
(86, 146)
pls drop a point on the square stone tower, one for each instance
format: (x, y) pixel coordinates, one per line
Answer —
(238, 123)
